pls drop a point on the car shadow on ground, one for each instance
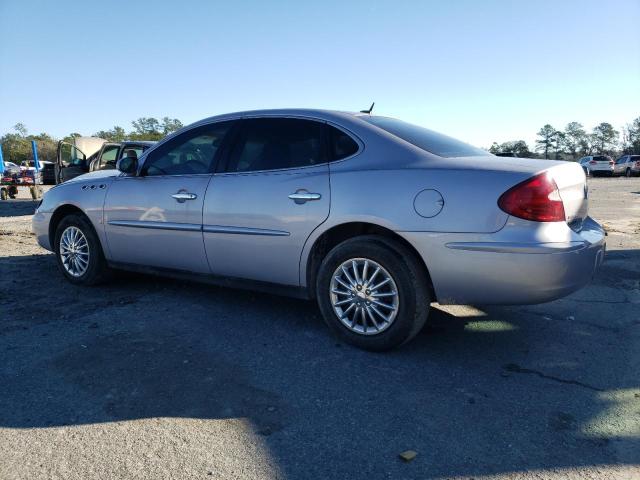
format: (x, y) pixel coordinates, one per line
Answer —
(18, 207)
(497, 390)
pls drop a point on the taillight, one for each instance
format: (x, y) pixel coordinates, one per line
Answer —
(638, 164)
(592, 162)
(536, 199)
(610, 162)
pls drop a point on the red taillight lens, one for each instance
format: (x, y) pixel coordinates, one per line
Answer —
(536, 199)
(638, 164)
(610, 162)
(592, 162)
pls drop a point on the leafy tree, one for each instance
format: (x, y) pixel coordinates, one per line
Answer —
(631, 140)
(146, 128)
(574, 137)
(519, 147)
(21, 129)
(558, 143)
(116, 134)
(546, 141)
(605, 138)
(71, 136)
(170, 125)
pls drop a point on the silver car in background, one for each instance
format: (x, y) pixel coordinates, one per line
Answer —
(627, 165)
(372, 217)
(597, 165)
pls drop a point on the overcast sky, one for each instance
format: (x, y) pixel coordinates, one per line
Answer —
(482, 71)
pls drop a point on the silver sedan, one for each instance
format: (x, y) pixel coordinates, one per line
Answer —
(372, 217)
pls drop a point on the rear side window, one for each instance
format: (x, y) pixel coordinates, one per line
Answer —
(276, 143)
(428, 140)
(341, 145)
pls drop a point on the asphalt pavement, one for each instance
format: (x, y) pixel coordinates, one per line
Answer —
(153, 378)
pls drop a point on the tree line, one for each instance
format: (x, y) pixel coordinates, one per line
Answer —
(16, 145)
(569, 144)
(575, 142)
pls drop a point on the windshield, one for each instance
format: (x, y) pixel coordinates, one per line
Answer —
(432, 142)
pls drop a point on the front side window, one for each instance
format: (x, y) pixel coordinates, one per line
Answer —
(191, 153)
(428, 140)
(276, 143)
(108, 159)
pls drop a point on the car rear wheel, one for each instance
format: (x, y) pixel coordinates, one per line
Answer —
(373, 293)
(78, 251)
(627, 173)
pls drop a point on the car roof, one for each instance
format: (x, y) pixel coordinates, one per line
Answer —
(296, 112)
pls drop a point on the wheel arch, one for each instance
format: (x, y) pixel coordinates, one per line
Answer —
(345, 231)
(63, 211)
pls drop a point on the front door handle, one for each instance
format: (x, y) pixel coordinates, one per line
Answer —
(183, 196)
(302, 196)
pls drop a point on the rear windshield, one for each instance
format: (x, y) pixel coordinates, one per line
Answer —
(635, 158)
(432, 142)
(600, 158)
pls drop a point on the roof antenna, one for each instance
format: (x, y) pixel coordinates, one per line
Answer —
(370, 108)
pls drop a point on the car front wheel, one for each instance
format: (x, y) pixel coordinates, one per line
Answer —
(78, 251)
(373, 293)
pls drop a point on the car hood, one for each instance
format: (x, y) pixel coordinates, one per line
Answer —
(95, 176)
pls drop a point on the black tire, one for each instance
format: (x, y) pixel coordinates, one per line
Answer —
(627, 173)
(3, 194)
(97, 270)
(408, 275)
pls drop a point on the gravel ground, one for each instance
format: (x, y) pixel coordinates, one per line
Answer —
(155, 378)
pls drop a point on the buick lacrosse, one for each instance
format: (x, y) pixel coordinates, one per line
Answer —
(372, 217)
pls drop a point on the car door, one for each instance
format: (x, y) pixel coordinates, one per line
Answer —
(274, 191)
(70, 162)
(155, 217)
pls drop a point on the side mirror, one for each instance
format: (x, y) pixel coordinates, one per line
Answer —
(128, 165)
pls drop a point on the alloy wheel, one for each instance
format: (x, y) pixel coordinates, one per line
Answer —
(364, 296)
(74, 251)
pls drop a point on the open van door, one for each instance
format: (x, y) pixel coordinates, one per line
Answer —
(70, 162)
(72, 158)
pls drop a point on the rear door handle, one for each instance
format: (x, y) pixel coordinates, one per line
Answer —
(302, 196)
(183, 196)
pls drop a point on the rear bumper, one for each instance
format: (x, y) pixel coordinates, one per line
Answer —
(503, 268)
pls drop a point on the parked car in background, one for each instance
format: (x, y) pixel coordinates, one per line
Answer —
(597, 165)
(373, 217)
(11, 169)
(47, 171)
(627, 165)
(111, 152)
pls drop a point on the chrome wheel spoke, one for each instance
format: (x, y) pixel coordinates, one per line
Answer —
(384, 282)
(362, 307)
(355, 272)
(348, 277)
(339, 280)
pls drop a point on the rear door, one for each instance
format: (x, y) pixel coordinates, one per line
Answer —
(70, 162)
(273, 192)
